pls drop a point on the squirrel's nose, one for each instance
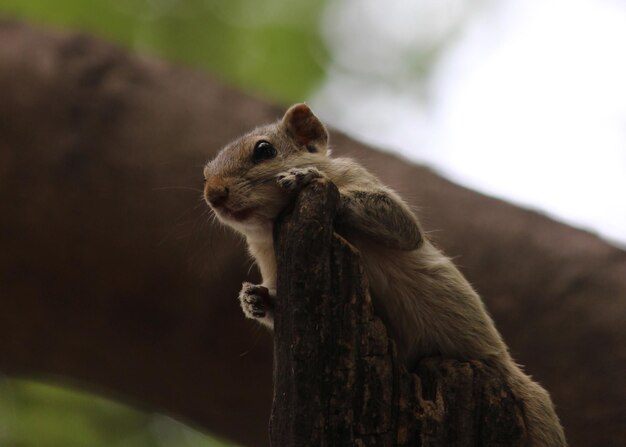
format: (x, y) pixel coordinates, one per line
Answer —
(217, 195)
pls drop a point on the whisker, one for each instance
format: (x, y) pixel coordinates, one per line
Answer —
(255, 341)
(252, 264)
(180, 222)
(170, 188)
(261, 180)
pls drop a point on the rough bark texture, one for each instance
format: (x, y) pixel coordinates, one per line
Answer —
(337, 379)
(115, 281)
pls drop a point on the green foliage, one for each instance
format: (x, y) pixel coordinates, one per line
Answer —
(42, 415)
(269, 47)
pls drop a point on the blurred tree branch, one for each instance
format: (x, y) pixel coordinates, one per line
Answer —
(112, 277)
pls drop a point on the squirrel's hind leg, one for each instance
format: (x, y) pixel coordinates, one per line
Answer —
(382, 217)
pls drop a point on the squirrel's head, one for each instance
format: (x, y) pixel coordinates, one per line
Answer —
(240, 182)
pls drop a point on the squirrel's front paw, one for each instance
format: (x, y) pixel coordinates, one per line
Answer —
(256, 302)
(296, 178)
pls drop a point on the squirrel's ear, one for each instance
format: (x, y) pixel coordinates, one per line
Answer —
(305, 128)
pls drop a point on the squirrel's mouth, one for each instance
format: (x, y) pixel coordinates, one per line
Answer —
(238, 215)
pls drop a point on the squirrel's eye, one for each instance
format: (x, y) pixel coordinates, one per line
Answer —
(263, 151)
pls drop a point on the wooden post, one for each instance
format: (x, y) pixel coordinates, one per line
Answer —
(337, 377)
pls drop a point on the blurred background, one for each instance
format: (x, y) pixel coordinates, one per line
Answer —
(523, 100)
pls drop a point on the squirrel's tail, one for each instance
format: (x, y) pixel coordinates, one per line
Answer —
(542, 423)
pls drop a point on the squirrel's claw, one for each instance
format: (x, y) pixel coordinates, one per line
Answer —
(296, 178)
(256, 301)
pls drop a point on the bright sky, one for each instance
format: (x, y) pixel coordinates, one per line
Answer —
(528, 103)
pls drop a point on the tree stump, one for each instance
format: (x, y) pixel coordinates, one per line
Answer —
(338, 380)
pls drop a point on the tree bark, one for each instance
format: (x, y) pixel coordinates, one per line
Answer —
(338, 380)
(113, 278)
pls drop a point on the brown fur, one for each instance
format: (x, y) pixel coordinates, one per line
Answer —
(426, 303)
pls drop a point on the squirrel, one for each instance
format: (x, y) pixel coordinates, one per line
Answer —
(427, 305)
